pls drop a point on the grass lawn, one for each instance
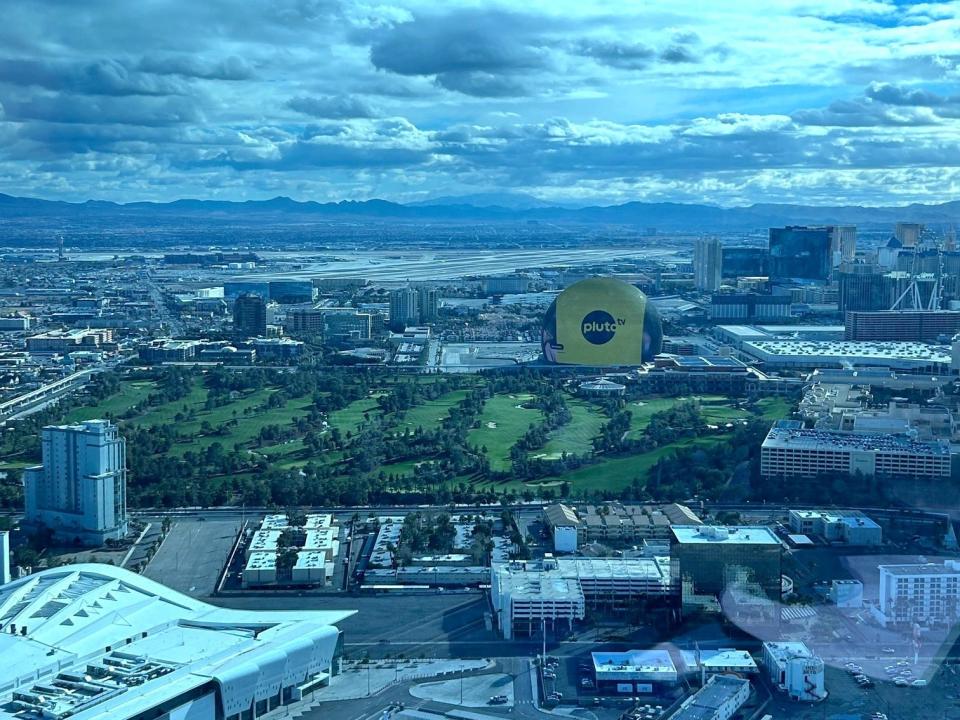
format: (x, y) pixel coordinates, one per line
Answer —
(576, 437)
(502, 422)
(352, 416)
(432, 412)
(129, 395)
(619, 472)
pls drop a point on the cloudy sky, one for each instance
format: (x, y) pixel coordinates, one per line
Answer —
(572, 101)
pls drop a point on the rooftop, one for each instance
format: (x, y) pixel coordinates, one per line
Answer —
(947, 568)
(849, 350)
(633, 661)
(724, 534)
(810, 439)
(126, 630)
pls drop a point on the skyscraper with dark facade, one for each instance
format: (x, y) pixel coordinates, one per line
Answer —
(250, 315)
(737, 262)
(801, 253)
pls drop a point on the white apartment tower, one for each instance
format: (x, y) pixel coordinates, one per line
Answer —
(80, 490)
(707, 263)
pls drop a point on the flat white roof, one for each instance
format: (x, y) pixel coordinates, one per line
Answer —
(72, 618)
(724, 534)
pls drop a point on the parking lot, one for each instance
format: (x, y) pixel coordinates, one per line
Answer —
(193, 554)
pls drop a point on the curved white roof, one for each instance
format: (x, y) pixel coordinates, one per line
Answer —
(77, 616)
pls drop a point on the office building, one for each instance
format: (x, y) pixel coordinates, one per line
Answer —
(908, 234)
(557, 591)
(95, 641)
(165, 350)
(506, 284)
(864, 287)
(851, 527)
(250, 315)
(749, 307)
(843, 243)
(67, 341)
(719, 699)
(709, 558)
(800, 253)
(739, 262)
(291, 292)
(404, 307)
(304, 321)
(236, 288)
(428, 303)
(919, 325)
(793, 451)
(8, 324)
(927, 593)
(80, 490)
(350, 325)
(795, 670)
(707, 263)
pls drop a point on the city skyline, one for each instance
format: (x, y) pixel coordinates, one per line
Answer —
(828, 103)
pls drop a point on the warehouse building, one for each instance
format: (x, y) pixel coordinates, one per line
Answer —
(793, 451)
(719, 699)
(845, 526)
(95, 641)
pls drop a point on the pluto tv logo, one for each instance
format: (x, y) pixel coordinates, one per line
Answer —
(599, 327)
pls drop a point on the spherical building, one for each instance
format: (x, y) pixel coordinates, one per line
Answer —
(601, 322)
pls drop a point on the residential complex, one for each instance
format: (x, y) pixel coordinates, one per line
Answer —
(613, 523)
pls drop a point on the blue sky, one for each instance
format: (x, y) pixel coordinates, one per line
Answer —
(730, 103)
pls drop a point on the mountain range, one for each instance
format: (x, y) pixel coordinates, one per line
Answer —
(489, 207)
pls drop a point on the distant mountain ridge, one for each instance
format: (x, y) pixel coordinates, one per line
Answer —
(662, 215)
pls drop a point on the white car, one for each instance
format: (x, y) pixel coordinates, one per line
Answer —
(919, 683)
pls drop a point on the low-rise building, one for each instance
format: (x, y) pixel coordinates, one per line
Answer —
(279, 553)
(614, 522)
(719, 699)
(846, 593)
(634, 672)
(795, 670)
(724, 660)
(845, 526)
